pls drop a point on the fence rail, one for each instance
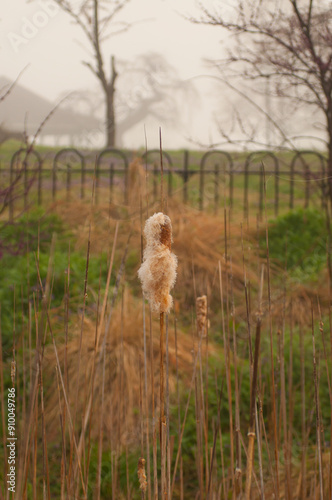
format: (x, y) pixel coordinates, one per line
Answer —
(206, 180)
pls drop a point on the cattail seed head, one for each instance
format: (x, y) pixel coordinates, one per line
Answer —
(158, 270)
(201, 315)
(141, 474)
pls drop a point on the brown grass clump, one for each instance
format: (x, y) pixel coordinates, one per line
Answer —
(158, 270)
(199, 246)
(299, 302)
(123, 360)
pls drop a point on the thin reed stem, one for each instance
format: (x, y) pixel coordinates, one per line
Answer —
(273, 393)
(154, 426)
(251, 433)
(168, 444)
(318, 427)
(162, 422)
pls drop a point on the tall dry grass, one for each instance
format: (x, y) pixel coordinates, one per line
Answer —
(237, 420)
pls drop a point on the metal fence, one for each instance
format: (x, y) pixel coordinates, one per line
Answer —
(207, 180)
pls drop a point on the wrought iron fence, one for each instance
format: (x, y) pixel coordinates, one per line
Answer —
(207, 181)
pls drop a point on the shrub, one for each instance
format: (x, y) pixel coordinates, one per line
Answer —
(297, 241)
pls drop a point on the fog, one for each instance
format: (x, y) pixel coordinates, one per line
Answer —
(41, 38)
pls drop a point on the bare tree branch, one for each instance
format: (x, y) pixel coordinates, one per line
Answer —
(290, 47)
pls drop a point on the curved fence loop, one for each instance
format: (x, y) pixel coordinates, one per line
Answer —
(146, 154)
(216, 170)
(113, 152)
(263, 154)
(24, 171)
(156, 170)
(307, 175)
(75, 154)
(221, 167)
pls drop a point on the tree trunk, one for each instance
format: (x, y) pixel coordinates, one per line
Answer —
(110, 112)
(329, 165)
(327, 193)
(110, 119)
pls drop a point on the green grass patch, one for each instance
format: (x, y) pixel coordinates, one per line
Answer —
(297, 241)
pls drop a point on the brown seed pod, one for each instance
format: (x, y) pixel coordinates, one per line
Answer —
(141, 474)
(201, 315)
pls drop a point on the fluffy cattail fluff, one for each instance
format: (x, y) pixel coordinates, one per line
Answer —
(201, 315)
(141, 474)
(158, 270)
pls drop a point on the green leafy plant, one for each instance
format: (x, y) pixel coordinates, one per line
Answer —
(297, 240)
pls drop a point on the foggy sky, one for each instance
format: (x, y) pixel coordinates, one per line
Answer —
(36, 36)
(54, 53)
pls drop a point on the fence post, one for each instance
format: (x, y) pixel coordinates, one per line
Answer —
(216, 171)
(111, 181)
(68, 182)
(291, 194)
(11, 198)
(82, 179)
(231, 186)
(121, 154)
(156, 170)
(62, 152)
(245, 200)
(40, 173)
(216, 188)
(276, 188)
(201, 186)
(261, 190)
(307, 178)
(170, 183)
(23, 172)
(26, 185)
(54, 180)
(185, 176)
(155, 184)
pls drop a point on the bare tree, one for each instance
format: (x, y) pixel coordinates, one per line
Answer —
(287, 43)
(151, 87)
(148, 87)
(96, 18)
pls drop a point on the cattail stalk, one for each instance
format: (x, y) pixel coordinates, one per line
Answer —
(162, 421)
(228, 378)
(283, 405)
(226, 338)
(238, 470)
(273, 391)
(251, 433)
(157, 274)
(168, 415)
(2, 397)
(330, 327)
(127, 475)
(303, 418)
(154, 429)
(146, 404)
(178, 403)
(253, 392)
(185, 418)
(318, 426)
